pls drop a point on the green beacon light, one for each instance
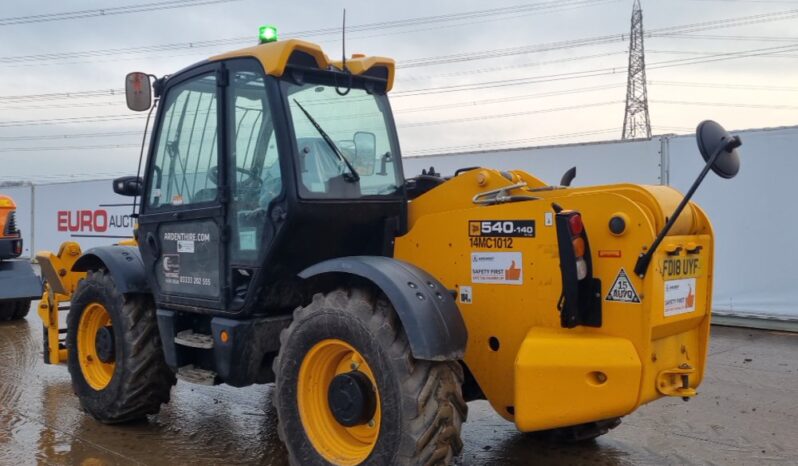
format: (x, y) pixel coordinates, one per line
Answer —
(267, 34)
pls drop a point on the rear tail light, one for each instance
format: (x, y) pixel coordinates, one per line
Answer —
(575, 224)
(18, 247)
(580, 303)
(579, 246)
(581, 268)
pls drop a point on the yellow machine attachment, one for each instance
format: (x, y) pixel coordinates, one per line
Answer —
(59, 284)
(639, 339)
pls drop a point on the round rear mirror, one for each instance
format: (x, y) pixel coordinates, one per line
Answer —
(711, 137)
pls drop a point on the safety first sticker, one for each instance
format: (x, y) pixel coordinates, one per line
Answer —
(500, 268)
(622, 290)
(679, 296)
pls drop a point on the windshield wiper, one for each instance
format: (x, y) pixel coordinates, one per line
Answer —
(353, 177)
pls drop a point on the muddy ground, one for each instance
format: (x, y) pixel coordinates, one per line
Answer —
(746, 413)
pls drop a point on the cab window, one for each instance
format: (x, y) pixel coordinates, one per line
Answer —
(255, 178)
(183, 171)
(337, 135)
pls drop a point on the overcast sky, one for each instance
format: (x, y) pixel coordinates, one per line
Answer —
(759, 90)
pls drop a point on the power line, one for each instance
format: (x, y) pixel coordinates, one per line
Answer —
(63, 95)
(52, 148)
(497, 69)
(514, 98)
(690, 52)
(50, 137)
(496, 13)
(727, 104)
(428, 61)
(69, 120)
(485, 54)
(451, 150)
(716, 85)
(481, 85)
(120, 10)
(731, 37)
(724, 23)
(508, 115)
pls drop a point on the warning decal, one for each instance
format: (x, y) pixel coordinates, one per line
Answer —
(622, 290)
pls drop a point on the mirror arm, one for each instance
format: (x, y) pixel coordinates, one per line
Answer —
(645, 258)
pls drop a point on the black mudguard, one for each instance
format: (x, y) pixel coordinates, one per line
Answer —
(19, 281)
(122, 262)
(435, 329)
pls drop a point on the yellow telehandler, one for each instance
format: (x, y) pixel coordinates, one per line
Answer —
(279, 241)
(19, 284)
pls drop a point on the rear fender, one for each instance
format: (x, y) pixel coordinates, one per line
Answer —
(435, 329)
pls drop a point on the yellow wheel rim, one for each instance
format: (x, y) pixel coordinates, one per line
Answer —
(336, 443)
(96, 372)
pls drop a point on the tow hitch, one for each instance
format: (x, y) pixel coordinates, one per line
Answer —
(676, 382)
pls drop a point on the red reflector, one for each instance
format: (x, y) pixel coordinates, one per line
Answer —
(575, 225)
(17, 247)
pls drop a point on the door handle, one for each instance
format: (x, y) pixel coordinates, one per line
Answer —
(156, 251)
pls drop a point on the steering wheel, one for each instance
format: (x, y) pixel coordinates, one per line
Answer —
(250, 183)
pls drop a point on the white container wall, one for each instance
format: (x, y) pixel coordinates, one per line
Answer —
(754, 217)
(602, 163)
(88, 212)
(753, 214)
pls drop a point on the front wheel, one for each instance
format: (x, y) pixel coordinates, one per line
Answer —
(350, 392)
(115, 356)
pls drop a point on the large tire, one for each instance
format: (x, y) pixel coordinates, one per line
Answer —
(578, 433)
(421, 407)
(14, 310)
(138, 380)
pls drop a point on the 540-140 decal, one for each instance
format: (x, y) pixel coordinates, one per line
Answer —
(498, 234)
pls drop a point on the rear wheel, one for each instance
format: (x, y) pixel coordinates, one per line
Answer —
(349, 391)
(13, 310)
(115, 355)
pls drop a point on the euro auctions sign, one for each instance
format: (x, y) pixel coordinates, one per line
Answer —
(87, 212)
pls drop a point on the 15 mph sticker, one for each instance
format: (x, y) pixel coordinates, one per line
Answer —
(622, 290)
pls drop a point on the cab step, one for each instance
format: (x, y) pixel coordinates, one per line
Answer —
(196, 375)
(194, 340)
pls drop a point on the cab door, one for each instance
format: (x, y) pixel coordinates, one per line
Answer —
(181, 227)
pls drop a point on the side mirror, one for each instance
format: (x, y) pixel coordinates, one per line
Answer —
(138, 91)
(719, 149)
(365, 152)
(129, 186)
(712, 138)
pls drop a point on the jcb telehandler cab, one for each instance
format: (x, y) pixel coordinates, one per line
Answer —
(279, 241)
